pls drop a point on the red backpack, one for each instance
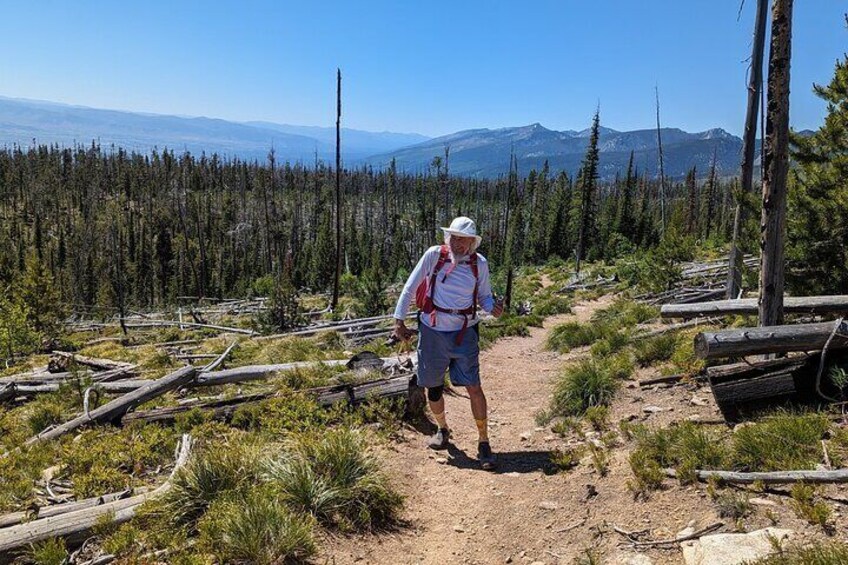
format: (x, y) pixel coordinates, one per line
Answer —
(425, 292)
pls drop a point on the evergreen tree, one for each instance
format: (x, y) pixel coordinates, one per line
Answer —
(817, 236)
(583, 207)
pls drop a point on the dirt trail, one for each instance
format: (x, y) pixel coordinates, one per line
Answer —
(456, 513)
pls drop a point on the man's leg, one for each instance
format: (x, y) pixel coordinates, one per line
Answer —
(436, 400)
(480, 410)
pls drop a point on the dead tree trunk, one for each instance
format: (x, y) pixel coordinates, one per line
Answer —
(742, 342)
(755, 82)
(776, 166)
(338, 274)
(662, 169)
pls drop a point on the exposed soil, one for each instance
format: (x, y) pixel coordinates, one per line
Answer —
(457, 513)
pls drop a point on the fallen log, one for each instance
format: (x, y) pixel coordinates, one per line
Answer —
(115, 409)
(7, 392)
(756, 368)
(743, 342)
(674, 328)
(770, 478)
(61, 361)
(76, 526)
(55, 510)
(223, 409)
(750, 386)
(816, 305)
(212, 378)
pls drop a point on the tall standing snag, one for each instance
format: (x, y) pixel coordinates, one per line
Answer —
(755, 84)
(662, 169)
(776, 167)
(338, 274)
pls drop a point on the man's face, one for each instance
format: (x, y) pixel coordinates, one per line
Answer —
(461, 245)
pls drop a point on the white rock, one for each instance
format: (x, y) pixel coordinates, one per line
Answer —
(698, 401)
(732, 549)
(526, 436)
(548, 505)
(653, 409)
(687, 531)
(631, 559)
(458, 528)
(762, 502)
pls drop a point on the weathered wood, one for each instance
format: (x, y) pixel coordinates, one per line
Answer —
(674, 327)
(77, 525)
(775, 167)
(60, 361)
(741, 386)
(837, 304)
(771, 478)
(56, 509)
(755, 83)
(7, 392)
(742, 342)
(223, 409)
(114, 410)
(742, 370)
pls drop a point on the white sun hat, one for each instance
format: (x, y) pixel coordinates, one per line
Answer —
(463, 227)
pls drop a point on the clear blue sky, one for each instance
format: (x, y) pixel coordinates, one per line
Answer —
(431, 67)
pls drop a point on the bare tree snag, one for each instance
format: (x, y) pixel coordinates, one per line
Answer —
(755, 82)
(776, 167)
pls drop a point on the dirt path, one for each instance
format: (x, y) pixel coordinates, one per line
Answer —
(456, 513)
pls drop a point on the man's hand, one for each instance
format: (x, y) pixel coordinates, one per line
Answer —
(497, 311)
(401, 332)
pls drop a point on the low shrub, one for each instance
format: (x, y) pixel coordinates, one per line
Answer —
(780, 442)
(655, 349)
(815, 553)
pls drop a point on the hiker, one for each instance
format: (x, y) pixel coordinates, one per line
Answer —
(448, 282)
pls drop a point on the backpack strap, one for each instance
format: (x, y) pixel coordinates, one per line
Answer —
(474, 270)
(431, 288)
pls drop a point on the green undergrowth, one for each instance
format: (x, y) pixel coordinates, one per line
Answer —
(586, 384)
(778, 442)
(507, 326)
(611, 326)
(246, 499)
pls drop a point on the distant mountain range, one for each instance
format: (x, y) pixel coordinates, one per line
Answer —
(479, 152)
(486, 153)
(22, 121)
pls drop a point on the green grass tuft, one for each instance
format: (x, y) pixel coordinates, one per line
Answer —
(588, 383)
(256, 527)
(335, 478)
(780, 442)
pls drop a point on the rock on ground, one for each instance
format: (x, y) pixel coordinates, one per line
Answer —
(732, 549)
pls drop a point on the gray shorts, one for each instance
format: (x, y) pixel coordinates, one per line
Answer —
(438, 352)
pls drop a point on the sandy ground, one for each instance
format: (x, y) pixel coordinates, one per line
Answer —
(457, 513)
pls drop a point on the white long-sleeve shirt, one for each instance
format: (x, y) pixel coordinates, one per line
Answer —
(454, 291)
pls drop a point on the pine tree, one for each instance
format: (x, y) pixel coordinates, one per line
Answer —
(584, 199)
(817, 236)
(625, 218)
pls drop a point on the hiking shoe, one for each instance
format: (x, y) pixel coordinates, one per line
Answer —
(485, 456)
(439, 440)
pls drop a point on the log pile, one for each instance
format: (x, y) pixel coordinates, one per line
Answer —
(797, 377)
